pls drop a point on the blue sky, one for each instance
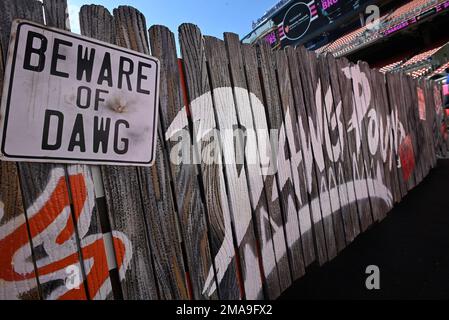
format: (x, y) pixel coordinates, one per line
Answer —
(213, 16)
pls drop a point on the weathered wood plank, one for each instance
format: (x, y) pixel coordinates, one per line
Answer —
(206, 141)
(268, 165)
(81, 184)
(381, 198)
(46, 199)
(156, 192)
(13, 226)
(82, 191)
(325, 137)
(295, 153)
(57, 14)
(251, 148)
(280, 147)
(407, 109)
(429, 121)
(385, 141)
(15, 245)
(174, 122)
(354, 143)
(415, 124)
(312, 87)
(331, 151)
(97, 22)
(17, 9)
(431, 115)
(427, 128)
(442, 146)
(398, 127)
(345, 178)
(235, 172)
(126, 214)
(391, 126)
(309, 165)
(52, 229)
(363, 98)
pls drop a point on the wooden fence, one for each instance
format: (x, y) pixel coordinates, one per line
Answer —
(327, 148)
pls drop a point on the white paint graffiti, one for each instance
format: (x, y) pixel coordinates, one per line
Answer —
(373, 185)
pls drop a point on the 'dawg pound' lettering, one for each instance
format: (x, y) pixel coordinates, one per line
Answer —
(96, 72)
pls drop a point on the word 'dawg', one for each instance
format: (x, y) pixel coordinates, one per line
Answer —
(93, 69)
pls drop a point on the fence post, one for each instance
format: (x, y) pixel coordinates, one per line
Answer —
(175, 125)
(123, 195)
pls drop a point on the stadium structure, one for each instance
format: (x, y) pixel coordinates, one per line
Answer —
(407, 36)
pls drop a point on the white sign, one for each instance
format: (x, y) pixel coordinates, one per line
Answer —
(72, 99)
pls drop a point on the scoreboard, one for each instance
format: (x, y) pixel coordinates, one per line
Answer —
(297, 19)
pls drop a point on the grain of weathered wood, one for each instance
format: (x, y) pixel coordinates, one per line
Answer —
(295, 153)
(2, 66)
(285, 180)
(401, 116)
(328, 135)
(312, 87)
(407, 110)
(57, 14)
(415, 123)
(419, 132)
(14, 236)
(126, 213)
(17, 9)
(267, 161)
(37, 181)
(395, 94)
(235, 172)
(212, 177)
(251, 149)
(391, 125)
(89, 230)
(130, 29)
(431, 121)
(163, 228)
(191, 210)
(356, 158)
(96, 22)
(380, 196)
(46, 197)
(348, 193)
(385, 141)
(431, 115)
(427, 129)
(363, 98)
(309, 164)
(82, 191)
(430, 126)
(334, 150)
(442, 145)
(156, 193)
(13, 228)
(127, 216)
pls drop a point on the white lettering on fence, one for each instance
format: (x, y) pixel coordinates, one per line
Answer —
(379, 135)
